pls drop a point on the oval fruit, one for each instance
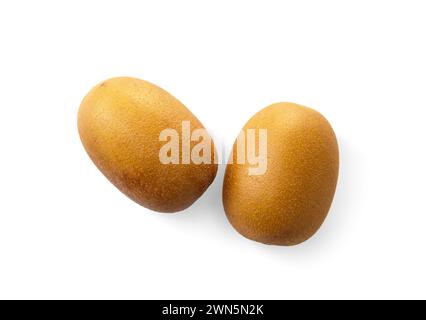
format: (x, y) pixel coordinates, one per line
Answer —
(288, 203)
(120, 122)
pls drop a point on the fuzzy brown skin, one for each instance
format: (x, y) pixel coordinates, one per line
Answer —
(287, 204)
(119, 123)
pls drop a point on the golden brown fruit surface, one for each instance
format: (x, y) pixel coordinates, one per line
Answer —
(119, 123)
(287, 204)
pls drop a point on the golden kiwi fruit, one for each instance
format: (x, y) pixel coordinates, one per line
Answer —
(120, 122)
(289, 202)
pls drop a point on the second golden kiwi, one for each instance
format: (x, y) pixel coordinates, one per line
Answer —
(287, 203)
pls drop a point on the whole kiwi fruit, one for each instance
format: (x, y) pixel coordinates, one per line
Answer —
(288, 203)
(120, 122)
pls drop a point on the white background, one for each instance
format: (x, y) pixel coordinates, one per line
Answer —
(66, 232)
